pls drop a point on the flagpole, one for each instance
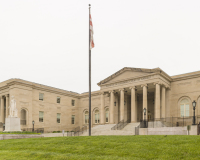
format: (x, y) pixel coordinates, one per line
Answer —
(89, 78)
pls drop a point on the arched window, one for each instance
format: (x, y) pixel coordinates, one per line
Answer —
(107, 115)
(86, 117)
(23, 117)
(184, 107)
(97, 120)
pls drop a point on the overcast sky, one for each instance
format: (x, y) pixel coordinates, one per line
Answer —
(46, 41)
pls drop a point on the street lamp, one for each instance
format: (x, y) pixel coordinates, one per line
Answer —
(145, 110)
(33, 122)
(194, 107)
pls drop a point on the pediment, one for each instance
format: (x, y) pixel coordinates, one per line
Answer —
(127, 73)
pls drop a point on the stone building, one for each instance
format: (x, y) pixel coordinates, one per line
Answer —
(122, 96)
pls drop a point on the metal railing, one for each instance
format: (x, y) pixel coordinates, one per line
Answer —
(77, 131)
(36, 130)
(120, 125)
(169, 122)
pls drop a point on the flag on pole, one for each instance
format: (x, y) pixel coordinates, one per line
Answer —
(91, 34)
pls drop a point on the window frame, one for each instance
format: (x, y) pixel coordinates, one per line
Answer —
(96, 118)
(73, 119)
(42, 116)
(186, 108)
(73, 102)
(107, 111)
(86, 119)
(59, 118)
(58, 98)
(42, 96)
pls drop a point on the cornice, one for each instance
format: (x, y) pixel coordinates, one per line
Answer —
(127, 69)
(185, 77)
(43, 88)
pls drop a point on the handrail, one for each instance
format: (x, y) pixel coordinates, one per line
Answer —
(77, 131)
(120, 125)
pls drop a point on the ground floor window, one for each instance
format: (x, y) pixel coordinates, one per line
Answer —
(184, 108)
(86, 117)
(107, 115)
(23, 117)
(58, 117)
(73, 119)
(41, 116)
(97, 120)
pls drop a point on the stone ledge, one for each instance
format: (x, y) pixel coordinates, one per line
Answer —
(19, 136)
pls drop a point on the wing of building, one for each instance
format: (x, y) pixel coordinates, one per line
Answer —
(122, 96)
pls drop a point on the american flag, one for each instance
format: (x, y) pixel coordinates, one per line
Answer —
(91, 34)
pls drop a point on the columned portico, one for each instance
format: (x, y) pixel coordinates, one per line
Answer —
(121, 104)
(144, 98)
(2, 110)
(102, 120)
(163, 101)
(7, 104)
(157, 101)
(133, 105)
(111, 107)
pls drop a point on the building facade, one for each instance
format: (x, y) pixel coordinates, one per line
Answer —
(122, 96)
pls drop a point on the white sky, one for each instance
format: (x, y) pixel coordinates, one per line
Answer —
(46, 41)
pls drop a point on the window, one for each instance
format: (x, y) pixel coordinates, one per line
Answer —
(184, 107)
(73, 102)
(41, 116)
(41, 96)
(23, 117)
(86, 117)
(58, 117)
(107, 115)
(58, 99)
(73, 119)
(97, 117)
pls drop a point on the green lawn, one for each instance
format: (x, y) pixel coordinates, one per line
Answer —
(102, 147)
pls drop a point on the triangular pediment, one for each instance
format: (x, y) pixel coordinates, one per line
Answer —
(127, 73)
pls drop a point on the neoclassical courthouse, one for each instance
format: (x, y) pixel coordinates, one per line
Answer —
(122, 96)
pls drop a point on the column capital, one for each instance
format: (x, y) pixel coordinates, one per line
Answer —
(157, 83)
(133, 87)
(144, 85)
(101, 93)
(7, 95)
(112, 91)
(121, 89)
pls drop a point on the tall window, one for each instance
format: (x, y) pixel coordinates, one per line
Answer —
(41, 96)
(97, 117)
(107, 115)
(73, 119)
(86, 117)
(58, 99)
(73, 102)
(184, 107)
(23, 117)
(41, 116)
(58, 117)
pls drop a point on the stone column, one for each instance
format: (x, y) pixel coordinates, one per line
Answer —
(121, 104)
(145, 100)
(102, 108)
(133, 106)
(2, 110)
(163, 101)
(111, 107)
(157, 101)
(7, 104)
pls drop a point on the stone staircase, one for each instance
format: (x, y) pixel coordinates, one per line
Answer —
(129, 129)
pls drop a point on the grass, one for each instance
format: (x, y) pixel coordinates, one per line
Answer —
(102, 147)
(19, 132)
